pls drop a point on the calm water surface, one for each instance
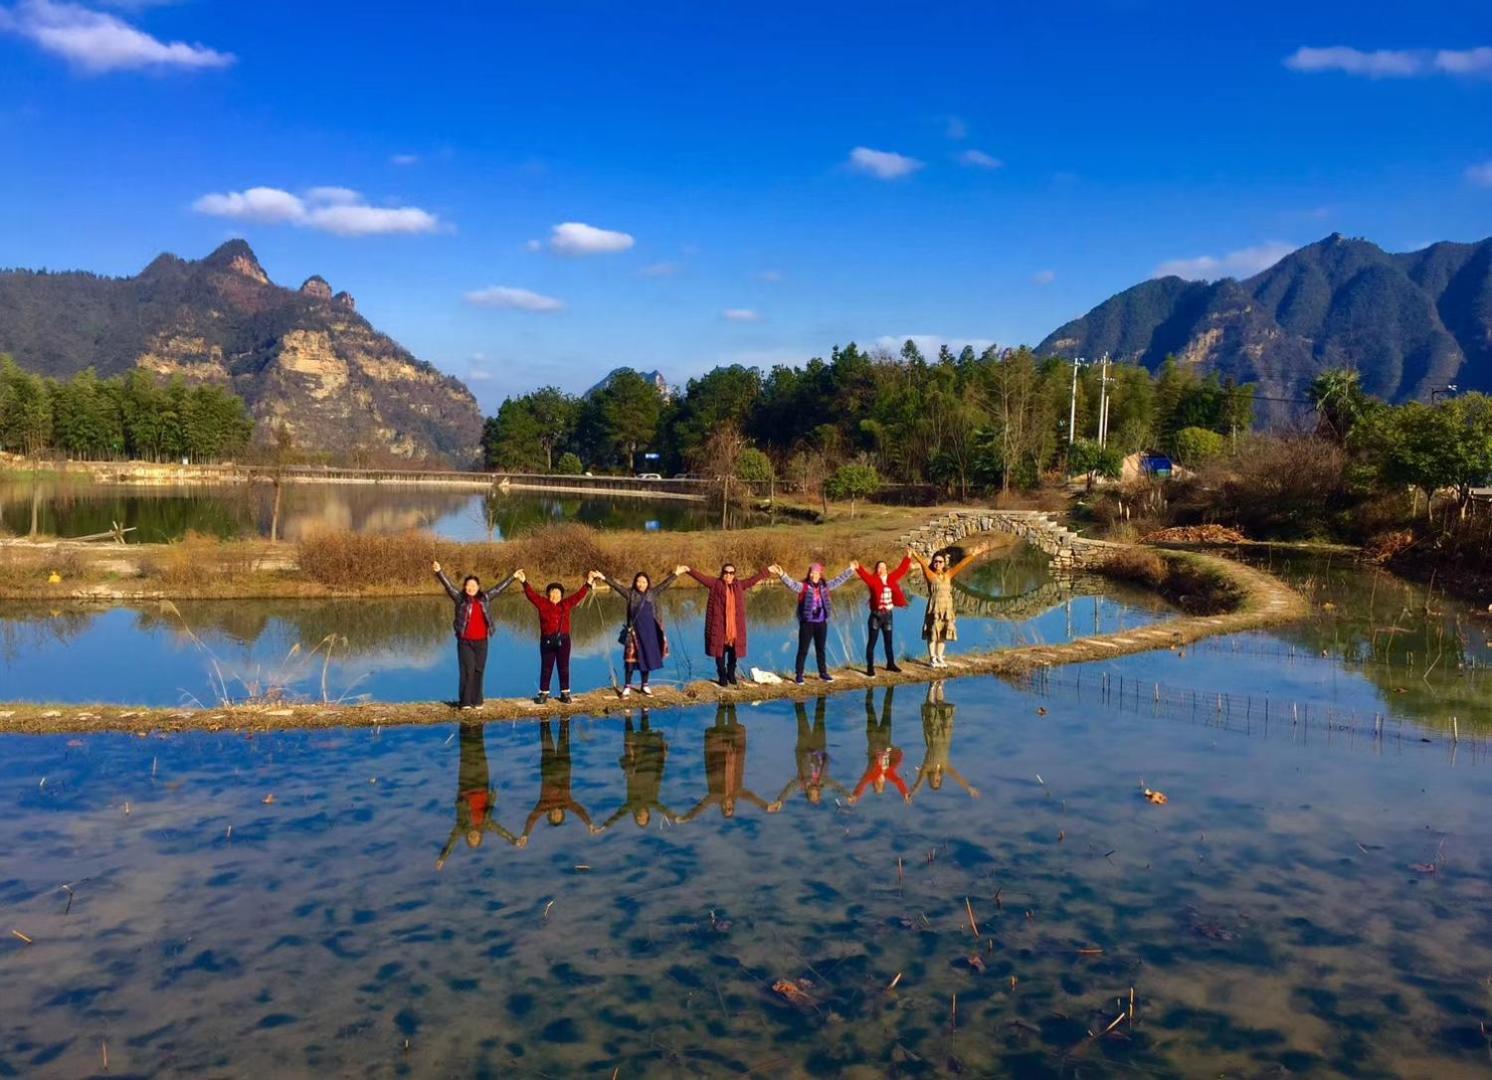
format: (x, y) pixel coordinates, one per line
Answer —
(358, 903)
(79, 508)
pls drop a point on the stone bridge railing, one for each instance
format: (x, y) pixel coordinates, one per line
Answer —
(1041, 529)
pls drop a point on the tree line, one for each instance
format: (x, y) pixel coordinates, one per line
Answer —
(961, 422)
(130, 416)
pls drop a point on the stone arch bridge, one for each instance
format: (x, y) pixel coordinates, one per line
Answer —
(1067, 551)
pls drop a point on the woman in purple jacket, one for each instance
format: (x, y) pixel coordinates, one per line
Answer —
(814, 611)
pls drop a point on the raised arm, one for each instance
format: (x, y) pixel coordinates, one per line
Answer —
(964, 563)
(533, 597)
(494, 593)
(792, 785)
(849, 572)
(666, 582)
(791, 583)
(492, 826)
(445, 852)
(445, 582)
(576, 597)
(958, 779)
(756, 579)
(704, 579)
(921, 562)
(902, 568)
(579, 811)
(757, 801)
(614, 585)
(708, 800)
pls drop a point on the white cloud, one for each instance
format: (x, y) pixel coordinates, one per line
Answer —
(660, 270)
(509, 298)
(980, 160)
(337, 210)
(929, 344)
(1464, 61)
(1480, 175)
(1044, 277)
(737, 314)
(97, 42)
(882, 164)
(533, 245)
(956, 128)
(771, 277)
(334, 196)
(577, 238)
(405, 159)
(1245, 262)
(1392, 63)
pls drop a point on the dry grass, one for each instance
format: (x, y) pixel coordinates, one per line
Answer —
(565, 551)
(1139, 565)
(195, 559)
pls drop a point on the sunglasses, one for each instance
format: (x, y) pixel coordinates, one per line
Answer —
(729, 573)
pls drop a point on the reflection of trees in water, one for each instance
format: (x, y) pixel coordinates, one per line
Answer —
(1427, 654)
(157, 514)
(25, 627)
(511, 514)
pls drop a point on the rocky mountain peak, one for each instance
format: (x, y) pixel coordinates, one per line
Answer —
(237, 257)
(344, 300)
(316, 286)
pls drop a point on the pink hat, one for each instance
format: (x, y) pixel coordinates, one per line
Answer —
(816, 566)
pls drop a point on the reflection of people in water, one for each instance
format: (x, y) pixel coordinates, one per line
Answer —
(812, 753)
(474, 796)
(725, 767)
(643, 754)
(937, 733)
(882, 759)
(554, 780)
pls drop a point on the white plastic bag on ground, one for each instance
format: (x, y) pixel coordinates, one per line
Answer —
(766, 678)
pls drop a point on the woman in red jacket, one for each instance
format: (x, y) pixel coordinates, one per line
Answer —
(554, 631)
(725, 617)
(885, 597)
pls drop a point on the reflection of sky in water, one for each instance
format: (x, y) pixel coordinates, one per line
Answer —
(1268, 917)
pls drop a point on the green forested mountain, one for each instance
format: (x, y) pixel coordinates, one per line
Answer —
(307, 364)
(1409, 324)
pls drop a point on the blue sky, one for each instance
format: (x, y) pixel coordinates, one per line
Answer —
(535, 193)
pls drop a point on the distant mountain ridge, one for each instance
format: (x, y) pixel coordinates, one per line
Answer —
(1409, 323)
(654, 377)
(304, 360)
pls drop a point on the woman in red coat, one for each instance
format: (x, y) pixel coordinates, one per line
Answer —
(885, 597)
(725, 617)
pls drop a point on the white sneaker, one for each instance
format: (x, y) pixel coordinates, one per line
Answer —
(648, 690)
(626, 691)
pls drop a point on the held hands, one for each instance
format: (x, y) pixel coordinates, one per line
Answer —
(774, 568)
(435, 567)
(680, 571)
(522, 841)
(520, 577)
(774, 806)
(854, 564)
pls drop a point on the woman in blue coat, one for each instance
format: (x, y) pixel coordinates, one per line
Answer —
(644, 645)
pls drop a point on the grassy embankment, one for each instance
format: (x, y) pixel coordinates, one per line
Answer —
(348, 564)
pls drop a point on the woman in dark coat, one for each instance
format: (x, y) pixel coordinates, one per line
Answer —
(644, 647)
(725, 617)
(643, 755)
(474, 628)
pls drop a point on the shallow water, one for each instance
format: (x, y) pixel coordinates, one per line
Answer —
(402, 650)
(1268, 917)
(72, 507)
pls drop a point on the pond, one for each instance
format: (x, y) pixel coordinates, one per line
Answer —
(401, 650)
(457, 900)
(73, 507)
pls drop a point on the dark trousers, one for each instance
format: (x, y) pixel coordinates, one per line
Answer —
(816, 633)
(880, 623)
(472, 658)
(630, 668)
(554, 652)
(725, 664)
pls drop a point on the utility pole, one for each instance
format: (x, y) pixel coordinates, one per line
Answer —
(1103, 400)
(1072, 408)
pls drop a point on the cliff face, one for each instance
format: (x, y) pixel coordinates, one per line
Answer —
(304, 360)
(1409, 323)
